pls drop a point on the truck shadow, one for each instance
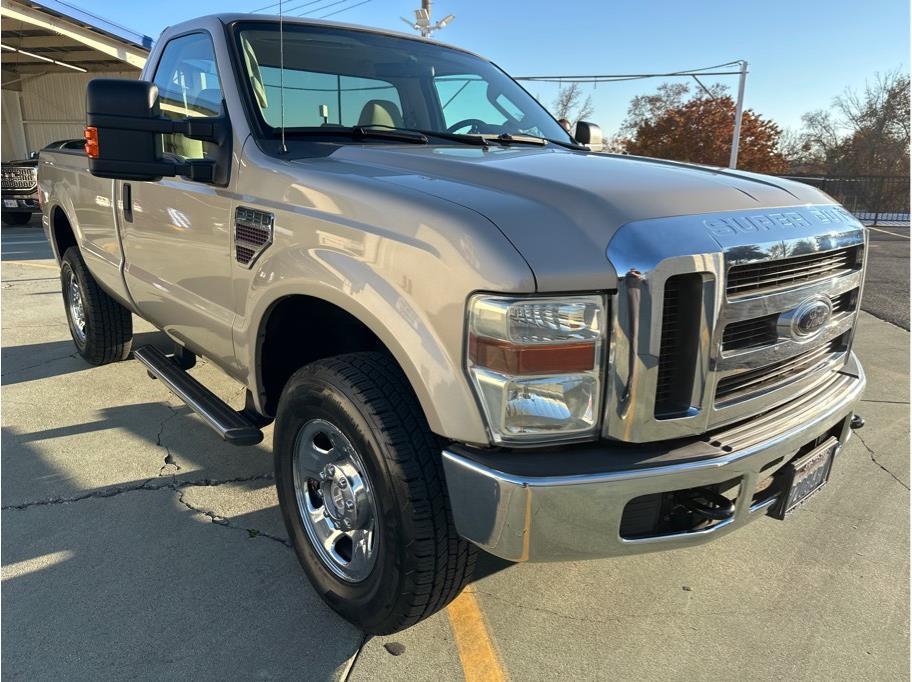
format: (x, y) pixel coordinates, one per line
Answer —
(30, 362)
(128, 578)
(25, 243)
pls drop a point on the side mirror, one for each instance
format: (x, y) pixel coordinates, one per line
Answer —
(590, 135)
(33, 155)
(123, 123)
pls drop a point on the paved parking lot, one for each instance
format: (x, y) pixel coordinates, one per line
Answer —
(137, 545)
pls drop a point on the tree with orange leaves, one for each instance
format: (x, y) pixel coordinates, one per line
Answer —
(673, 124)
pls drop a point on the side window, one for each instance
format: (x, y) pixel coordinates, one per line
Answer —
(188, 85)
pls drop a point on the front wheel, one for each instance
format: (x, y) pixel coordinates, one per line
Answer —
(360, 483)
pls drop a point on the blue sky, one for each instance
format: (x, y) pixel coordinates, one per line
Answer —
(802, 53)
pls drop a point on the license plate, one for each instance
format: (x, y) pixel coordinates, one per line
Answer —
(805, 477)
(10, 203)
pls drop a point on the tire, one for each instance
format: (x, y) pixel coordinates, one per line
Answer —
(420, 563)
(106, 332)
(12, 219)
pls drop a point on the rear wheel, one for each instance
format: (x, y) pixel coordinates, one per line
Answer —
(102, 328)
(15, 218)
(360, 482)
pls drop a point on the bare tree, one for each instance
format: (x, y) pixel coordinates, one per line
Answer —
(569, 104)
(864, 133)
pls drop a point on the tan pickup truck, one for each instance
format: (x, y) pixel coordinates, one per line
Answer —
(470, 329)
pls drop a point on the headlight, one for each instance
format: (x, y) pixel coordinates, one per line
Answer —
(536, 365)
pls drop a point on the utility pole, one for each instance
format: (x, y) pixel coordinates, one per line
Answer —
(422, 22)
(739, 112)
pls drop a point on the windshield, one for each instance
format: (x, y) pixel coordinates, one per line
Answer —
(336, 77)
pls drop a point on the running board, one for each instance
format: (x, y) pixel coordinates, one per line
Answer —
(231, 425)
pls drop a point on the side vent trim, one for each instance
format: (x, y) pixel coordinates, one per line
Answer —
(252, 234)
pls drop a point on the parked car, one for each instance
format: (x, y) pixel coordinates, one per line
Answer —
(18, 181)
(470, 330)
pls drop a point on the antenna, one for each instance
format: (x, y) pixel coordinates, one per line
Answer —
(282, 78)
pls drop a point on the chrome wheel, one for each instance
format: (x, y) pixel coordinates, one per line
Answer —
(76, 308)
(335, 500)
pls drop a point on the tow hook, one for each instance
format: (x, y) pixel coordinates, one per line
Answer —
(707, 503)
(857, 421)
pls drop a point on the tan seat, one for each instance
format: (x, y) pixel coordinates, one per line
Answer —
(380, 112)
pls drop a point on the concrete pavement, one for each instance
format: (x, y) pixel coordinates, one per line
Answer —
(136, 544)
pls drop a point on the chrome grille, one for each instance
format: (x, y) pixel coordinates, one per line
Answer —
(18, 178)
(778, 261)
(767, 276)
(754, 381)
(761, 331)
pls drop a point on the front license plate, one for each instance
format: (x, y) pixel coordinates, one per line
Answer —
(10, 203)
(805, 477)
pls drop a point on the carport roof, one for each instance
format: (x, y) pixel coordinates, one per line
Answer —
(54, 36)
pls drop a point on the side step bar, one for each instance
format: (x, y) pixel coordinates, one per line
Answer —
(231, 425)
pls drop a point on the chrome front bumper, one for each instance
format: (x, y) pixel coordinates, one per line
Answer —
(567, 504)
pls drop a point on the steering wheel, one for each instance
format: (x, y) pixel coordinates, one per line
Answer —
(476, 125)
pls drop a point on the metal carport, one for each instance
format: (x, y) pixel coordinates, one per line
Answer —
(50, 50)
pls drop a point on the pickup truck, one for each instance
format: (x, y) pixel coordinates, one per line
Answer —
(19, 184)
(469, 329)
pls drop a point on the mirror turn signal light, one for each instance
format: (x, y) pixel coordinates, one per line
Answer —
(91, 142)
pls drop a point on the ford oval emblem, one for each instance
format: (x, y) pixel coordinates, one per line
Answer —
(806, 321)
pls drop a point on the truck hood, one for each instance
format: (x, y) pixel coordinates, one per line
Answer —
(560, 208)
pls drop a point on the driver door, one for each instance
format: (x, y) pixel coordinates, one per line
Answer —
(176, 232)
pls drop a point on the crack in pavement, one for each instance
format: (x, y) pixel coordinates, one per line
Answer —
(223, 521)
(169, 456)
(180, 487)
(873, 457)
(886, 402)
(349, 669)
(149, 484)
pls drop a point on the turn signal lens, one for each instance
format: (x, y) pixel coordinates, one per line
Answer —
(91, 142)
(512, 358)
(535, 364)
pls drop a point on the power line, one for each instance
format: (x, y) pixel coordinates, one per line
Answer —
(319, 9)
(345, 9)
(609, 78)
(288, 9)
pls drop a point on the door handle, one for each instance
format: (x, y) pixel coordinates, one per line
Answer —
(127, 202)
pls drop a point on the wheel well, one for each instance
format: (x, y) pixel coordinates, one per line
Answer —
(301, 329)
(61, 232)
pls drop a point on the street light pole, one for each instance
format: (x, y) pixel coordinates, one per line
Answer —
(739, 112)
(422, 22)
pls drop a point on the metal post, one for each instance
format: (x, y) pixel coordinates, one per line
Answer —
(427, 30)
(739, 112)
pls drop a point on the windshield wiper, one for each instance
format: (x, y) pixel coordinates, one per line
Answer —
(507, 138)
(476, 140)
(361, 132)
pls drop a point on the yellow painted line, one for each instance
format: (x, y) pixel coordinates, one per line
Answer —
(888, 232)
(33, 265)
(477, 655)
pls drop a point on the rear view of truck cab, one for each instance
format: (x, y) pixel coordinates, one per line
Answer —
(469, 329)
